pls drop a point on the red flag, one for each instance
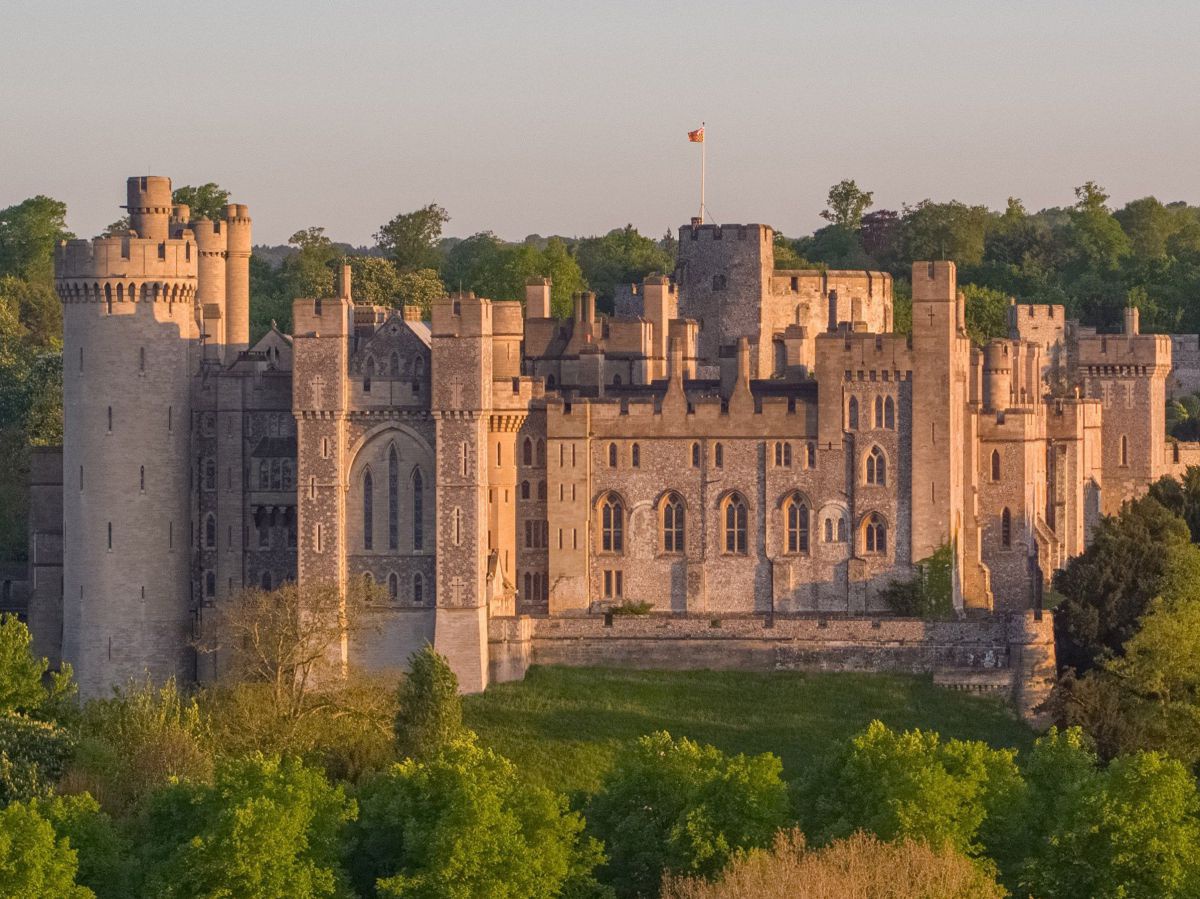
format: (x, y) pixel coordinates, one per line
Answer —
(697, 136)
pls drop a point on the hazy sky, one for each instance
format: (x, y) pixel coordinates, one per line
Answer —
(571, 118)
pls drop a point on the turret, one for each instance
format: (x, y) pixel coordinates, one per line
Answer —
(997, 376)
(237, 279)
(210, 291)
(149, 205)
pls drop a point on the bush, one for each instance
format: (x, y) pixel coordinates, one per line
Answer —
(629, 607)
(464, 824)
(929, 593)
(680, 807)
(858, 867)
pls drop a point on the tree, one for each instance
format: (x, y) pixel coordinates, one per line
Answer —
(207, 201)
(786, 256)
(861, 866)
(264, 829)
(33, 862)
(462, 824)
(270, 301)
(913, 785)
(420, 288)
(1134, 556)
(1091, 833)
(102, 851)
(411, 238)
(622, 256)
(846, 205)
(374, 280)
(681, 807)
(24, 686)
(309, 271)
(137, 740)
(490, 267)
(429, 716)
(951, 230)
(29, 231)
(1149, 226)
(1094, 236)
(30, 310)
(1182, 495)
(986, 313)
(286, 637)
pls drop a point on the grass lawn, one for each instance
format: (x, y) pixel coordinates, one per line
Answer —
(564, 726)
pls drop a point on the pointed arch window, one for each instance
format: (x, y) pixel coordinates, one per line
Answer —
(612, 525)
(889, 414)
(876, 467)
(368, 373)
(418, 593)
(878, 412)
(995, 465)
(527, 452)
(393, 498)
(735, 517)
(635, 456)
(828, 530)
(393, 586)
(541, 453)
(695, 455)
(852, 414)
(368, 510)
(418, 509)
(1006, 529)
(875, 534)
(210, 584)
(524, 490)
(796, 518)
(719, 455)
(612, 455)
(210, 531)
(673, 522)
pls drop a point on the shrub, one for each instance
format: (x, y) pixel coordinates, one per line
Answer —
(630, 607)
(929, 593)
(33, 862)
(680, 807)
(33, 757)
(858, 867)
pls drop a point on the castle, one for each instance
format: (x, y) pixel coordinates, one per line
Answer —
(737, 443)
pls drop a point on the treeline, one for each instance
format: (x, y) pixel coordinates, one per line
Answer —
(264, 789)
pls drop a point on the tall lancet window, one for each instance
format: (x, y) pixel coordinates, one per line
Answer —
(393, 499)
(368, 510)
(418, 510)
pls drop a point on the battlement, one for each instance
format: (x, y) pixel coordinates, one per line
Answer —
(1036, 313)
(806, 280)
(1122, 351)
(934, 281)
(462, 314)
(126, 257)
(763, 233)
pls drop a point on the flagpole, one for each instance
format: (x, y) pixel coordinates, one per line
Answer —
(703, 148)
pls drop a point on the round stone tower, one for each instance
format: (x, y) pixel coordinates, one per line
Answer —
(129, 350)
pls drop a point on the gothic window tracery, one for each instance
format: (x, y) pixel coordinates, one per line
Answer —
(735, 518)
(673, 524)
(612, 524)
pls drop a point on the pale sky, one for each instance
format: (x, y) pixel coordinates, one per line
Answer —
(571, 117)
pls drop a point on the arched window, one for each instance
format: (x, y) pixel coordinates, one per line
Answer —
(612, 525)
(635, 456)
(875, 534)
(876, 467)
(393, 586)
(210, 584)
(612, 455)
(265, 581)
(995, 465)
(527, 452)
(368, 507)
(673, 531)
(889, 414)
(541, 490)
(796, 515)
(811, 453)
(368, 373)
(879, 412)
(735, 519)
(418, 589)
(418, 509)
(778, 454)
(1124, 450)
(210, 531)
(852, 414)
(524, 490)
(828, 530)
(695, 455)
(541, 453)
(393, 498)
(1006, 529)
(787, 455)
(841, 530)
(719, 456)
